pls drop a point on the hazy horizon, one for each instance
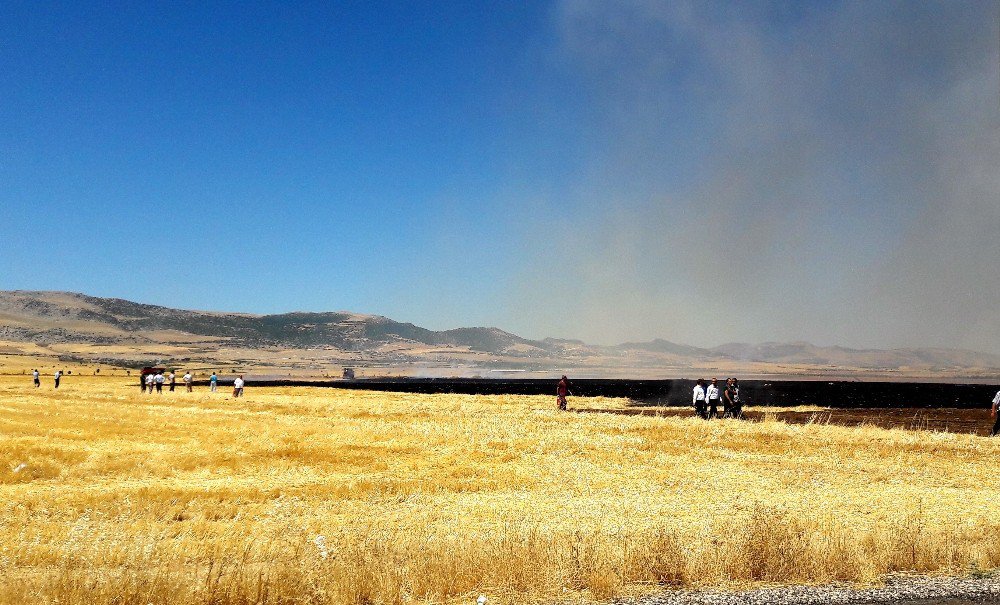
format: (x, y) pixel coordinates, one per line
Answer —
(700, 172)
(561, 337)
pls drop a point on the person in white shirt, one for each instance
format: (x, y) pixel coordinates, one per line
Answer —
(187, 381)
(158, 379)
(37, 379)
(993, 412)
(712, 395)
(173, 380)
(699, 399)
(238, 386)
(150, 379)
(58, 375)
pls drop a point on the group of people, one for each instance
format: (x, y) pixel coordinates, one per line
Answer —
(38, 378)
(707, 399)
(156, 380)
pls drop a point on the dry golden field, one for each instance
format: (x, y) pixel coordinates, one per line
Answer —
(313, 495)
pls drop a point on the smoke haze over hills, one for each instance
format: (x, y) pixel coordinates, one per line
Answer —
(113, 331)
(701, 172)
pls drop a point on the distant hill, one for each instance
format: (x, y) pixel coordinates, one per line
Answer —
(52, 319)
(665, 346)
(804, 352)
(68, 317)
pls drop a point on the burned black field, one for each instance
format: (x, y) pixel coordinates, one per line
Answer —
(958, 408)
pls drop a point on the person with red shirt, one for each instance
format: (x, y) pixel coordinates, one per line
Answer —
(562, 390)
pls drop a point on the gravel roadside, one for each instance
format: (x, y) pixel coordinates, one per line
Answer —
(907, 590)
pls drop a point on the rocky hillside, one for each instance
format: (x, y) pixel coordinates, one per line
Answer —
(64, 317)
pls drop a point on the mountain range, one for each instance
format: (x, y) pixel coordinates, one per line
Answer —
(116, 331)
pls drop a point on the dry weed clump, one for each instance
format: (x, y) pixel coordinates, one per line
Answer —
(309, 495)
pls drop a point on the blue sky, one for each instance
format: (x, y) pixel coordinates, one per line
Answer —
(702, 172)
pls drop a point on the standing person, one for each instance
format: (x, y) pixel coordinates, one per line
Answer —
(142, 383)
(58, 375)
(150, 379)
(732, 396)
(993, 413)
(699, 399)
(187, 380)
(213, 381)
(173, 381)
(238, 386)
(37, 378)
(727, 403)
(562, 390)
(158, 379)
(712, 395)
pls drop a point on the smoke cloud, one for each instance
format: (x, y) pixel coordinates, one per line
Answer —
(762, 172)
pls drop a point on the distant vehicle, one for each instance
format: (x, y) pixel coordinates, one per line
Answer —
(348, 374)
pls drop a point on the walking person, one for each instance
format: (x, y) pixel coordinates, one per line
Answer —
(150, 379)
(173, 380)
(727, 405)
(37, 378)
(993, 413)
(213, 381)
(699, 399)
(142, 383)
(238, 386)
(732, 396)
(562, 390)
(158, 380)
(187, 381)
(712, 395)
(58, 375)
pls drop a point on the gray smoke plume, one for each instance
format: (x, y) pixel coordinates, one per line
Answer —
(781, 171)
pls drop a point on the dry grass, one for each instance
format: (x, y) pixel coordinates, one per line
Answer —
(312, 495)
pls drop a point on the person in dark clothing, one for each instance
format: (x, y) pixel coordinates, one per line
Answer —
(173, 381)
(734, 408)
(993, 413)
(726, 404)
(562, 390)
